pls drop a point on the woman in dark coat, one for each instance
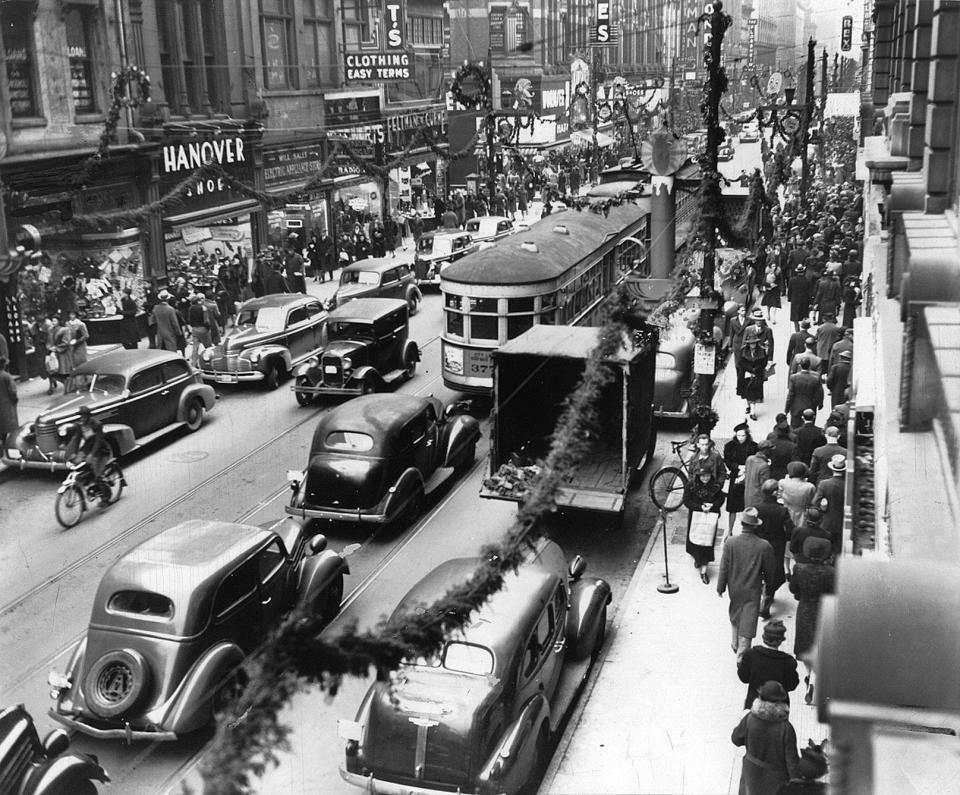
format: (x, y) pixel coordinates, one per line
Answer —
(753, 365)
(769, 740)
(735, 454)
(810, 580)
(799, 294)
(703, 493)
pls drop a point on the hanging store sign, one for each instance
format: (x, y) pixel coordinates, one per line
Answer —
(402, 128)
(387, 67)
(393, 17)
(602, 27)
(846, 34)
(295, 164)
(752, 43)
(179, 158)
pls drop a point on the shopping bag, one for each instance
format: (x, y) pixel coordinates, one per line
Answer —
(51, 363)
(703, 528)
(771, 369)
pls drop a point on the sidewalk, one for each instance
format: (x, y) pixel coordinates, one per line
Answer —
(657, 713)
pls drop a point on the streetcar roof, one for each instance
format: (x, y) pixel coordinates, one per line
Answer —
(567, 342)
(554, 253)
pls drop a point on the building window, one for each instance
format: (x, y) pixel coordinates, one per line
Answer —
(426, 31)
(359, 30)
(277, 21)
(79, 50)
(317, 52)
(18, 45)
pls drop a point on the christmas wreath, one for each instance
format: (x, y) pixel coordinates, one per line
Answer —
(478, 98)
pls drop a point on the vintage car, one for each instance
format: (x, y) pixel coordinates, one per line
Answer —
(272, 335)
(435, 250)
(138, 395)
(481, 716)
(674, 375)
(374, 458)
(725, 153)
(378, 278)
(368, 348)
(749, 134)
(174, 618)
(489, 227)
(31, 767)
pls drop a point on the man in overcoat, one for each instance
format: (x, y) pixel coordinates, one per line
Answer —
(823, 454)
(804, 392)
(828, 334)
(838, 378)
(756, 470)
(747, 563)
(809, 437)
(776, 528)
(799, 294)
(829, 499)
(767, 663)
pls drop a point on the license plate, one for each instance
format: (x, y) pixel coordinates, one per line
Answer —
(227, 379)
(330, 368)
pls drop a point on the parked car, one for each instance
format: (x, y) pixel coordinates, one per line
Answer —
(374, 458)
(749, 134)
(489, 227)
(272, 335)
(368, 348)
(481, 716)
(174, 618)
(378, 278)
(138, 395)
(725, 153)
(674, 375)
(31, 767)
(437, 250)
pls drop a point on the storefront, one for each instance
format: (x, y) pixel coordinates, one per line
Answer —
(212, 222)
(289, 170)
(355, 134)
(419, 175)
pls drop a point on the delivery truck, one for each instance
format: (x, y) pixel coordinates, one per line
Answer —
(533, 376)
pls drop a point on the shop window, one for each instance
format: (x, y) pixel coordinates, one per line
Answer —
(20, 52)
(317, 53)
(79, 24)
(426, 31)
(277, 21)
(484, 327)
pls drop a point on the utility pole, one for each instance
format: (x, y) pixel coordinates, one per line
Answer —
(711, 205)
(808, 105)
(490, 130)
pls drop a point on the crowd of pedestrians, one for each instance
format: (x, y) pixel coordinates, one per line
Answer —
(786, 490)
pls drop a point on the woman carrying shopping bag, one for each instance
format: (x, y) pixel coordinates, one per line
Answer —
(703, 497)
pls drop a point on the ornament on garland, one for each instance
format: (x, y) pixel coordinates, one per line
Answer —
(478, 98)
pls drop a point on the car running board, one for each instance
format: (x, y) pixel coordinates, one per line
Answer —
(437, 478)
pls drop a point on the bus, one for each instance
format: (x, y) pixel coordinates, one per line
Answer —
(557, 272)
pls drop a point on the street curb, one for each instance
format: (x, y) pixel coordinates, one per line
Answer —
(587, 689)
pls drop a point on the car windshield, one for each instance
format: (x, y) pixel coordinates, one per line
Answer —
(425, 246)
(350, 330)
(106, 383)
(350, 441)
(266, 318)
(369, 278)
(457, 656)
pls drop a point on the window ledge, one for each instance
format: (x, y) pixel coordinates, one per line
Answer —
(89, 118)
(296, 92)
(28, 121)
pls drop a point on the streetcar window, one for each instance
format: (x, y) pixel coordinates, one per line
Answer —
(455, 324)
(548, 318)
(483, 305)
(451, 301)
(518, 324)
(548, 301)
(425, 246)
(484, 327)
(520, 305)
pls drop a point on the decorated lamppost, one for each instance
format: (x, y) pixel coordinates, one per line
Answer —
(662, 155)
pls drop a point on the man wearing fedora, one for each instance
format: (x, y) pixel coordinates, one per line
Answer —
(823, 454)
(838, 379)
(166, 323)
(766, 663)
(776, 527)
(746, 565)
(829, 499)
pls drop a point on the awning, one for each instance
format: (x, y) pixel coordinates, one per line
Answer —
(213, 214)
(585, 138)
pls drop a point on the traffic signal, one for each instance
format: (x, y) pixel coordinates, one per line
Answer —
(846, 34)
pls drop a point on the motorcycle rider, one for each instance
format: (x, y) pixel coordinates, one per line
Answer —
(93, 448)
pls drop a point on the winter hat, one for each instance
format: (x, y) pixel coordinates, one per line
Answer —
(816, 550)
(742, 426)
(773, 691)
(774, 632)
(796, 469)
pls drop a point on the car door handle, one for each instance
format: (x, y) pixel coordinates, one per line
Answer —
(559, 646)
(165, 392)
(429, 443)
(266, 601)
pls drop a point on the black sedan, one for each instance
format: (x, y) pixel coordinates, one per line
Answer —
(374, 458)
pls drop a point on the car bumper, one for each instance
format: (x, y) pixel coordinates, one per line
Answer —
(320, 389)
(381, 787)
(334, 515)
(124, 733)
(232, 378)
(18, 462)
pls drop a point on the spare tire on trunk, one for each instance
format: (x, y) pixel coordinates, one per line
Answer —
(116, 682)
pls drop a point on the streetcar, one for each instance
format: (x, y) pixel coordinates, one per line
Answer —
(556, 272)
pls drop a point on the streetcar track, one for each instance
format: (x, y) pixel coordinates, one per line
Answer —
(13, 604)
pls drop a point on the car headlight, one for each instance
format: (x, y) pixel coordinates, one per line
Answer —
(254, 357)
(207, 355)
(347, 363)
(313, 361)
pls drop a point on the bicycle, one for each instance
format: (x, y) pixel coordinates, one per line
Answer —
(668, 483)
(80, 487)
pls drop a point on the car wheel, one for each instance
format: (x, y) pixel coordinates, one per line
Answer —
(194, 415)
(271, 379)
(469, 456)
(413, 304)
(413, 508)
(303, 398)
(227, 694)
(540, 760)
(83, 788)
(327, 604)
(116, 682)
(410, 368)
(368, 386)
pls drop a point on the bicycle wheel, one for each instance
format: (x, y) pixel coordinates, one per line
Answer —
(70, 506)
(666, 488)
(113, 477)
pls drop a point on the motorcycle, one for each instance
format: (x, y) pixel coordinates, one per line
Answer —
(80, 489)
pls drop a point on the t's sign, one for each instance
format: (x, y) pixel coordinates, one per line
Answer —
(846, 34)
(393, 18)
(602, 16)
